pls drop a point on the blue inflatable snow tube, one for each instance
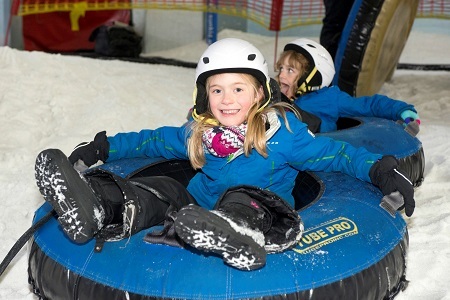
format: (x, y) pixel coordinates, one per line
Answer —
(351, 249)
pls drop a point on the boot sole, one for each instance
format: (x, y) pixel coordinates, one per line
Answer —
(208, 232)
(69, 194)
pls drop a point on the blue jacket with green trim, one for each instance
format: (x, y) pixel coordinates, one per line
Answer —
(330, 103)
(289, 152)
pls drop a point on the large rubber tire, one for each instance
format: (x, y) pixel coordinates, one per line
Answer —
(372, 42)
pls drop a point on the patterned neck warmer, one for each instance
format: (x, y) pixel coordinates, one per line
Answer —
(222, 141)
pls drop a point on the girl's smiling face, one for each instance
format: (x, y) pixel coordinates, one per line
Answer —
(231, 96)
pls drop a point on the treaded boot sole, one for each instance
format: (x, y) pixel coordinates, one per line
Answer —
(69, 194)
(207, 231)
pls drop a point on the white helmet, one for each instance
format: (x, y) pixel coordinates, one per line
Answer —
(229, 55)
(321, 71)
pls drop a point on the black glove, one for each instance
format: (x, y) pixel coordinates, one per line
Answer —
(90, 153)
(386, 175)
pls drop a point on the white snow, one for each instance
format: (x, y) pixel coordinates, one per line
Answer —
(57, 101)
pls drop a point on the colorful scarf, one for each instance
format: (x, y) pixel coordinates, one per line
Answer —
(222, 141)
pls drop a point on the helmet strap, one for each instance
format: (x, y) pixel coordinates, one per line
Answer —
(199, 118)
(305, 87)
(268, 98)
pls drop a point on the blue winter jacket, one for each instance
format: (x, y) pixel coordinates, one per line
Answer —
(330, 103)
(288, 153)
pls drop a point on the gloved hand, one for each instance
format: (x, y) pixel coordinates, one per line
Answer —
(385, 174)
(410, 116)
(90, 153)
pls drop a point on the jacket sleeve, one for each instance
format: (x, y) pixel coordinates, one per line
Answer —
(167, 142)
(310, 153)
(371, 106)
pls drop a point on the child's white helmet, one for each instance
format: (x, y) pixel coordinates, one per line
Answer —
(321, 70)
(229, 55)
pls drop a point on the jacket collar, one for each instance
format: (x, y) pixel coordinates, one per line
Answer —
(272, 122)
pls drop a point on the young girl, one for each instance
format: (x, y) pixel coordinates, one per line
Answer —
(247, 149)
(305, 71)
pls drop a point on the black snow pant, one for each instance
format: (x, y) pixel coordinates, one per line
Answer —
(132, 205)
(336, 14)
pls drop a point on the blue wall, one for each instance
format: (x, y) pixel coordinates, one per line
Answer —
(5, 8)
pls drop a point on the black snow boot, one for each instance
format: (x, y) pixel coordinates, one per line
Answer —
(234, 230)
(80, 211)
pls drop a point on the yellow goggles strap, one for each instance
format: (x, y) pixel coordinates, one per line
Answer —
(305, 87)
(269, 96)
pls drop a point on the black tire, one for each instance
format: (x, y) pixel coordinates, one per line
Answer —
(371, 44)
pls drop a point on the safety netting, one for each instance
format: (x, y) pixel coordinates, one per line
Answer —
(274, 15)
(434, 9)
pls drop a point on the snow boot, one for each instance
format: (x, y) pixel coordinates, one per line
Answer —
(80, 211)
(101, 204)
(234, 230)
(282, 225)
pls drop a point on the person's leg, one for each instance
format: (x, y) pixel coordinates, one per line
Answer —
(246, 223)
(100, 201)
(336, 14)
(139, 204)
(234, 230)
(160, 194)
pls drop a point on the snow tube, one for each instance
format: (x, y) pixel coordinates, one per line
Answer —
(371, 43)
(351, 249)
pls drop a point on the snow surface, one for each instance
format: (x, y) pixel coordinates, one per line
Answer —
(57, 101)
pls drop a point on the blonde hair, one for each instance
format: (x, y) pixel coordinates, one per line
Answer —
(256, 126)
(295, 60)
